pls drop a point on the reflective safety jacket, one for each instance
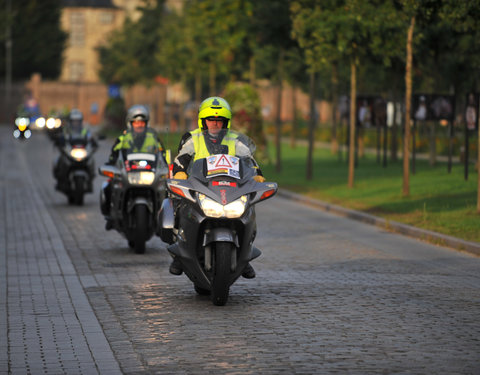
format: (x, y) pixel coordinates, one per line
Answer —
(150, 145)
(200, 146)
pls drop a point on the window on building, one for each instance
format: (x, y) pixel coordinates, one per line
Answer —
(106, 18)
(77, 70)
(77, 31)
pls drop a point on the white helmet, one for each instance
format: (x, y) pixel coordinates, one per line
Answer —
(137, 112)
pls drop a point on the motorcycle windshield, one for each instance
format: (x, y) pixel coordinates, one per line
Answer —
(137, 161)
(78, 142)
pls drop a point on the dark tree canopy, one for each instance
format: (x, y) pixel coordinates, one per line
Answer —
(37, 38)
(130, 56)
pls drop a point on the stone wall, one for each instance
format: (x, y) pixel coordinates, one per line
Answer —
(56, 95)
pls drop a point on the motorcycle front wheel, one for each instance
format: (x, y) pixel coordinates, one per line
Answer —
(78, 193)
(141, 228)
(221, 273)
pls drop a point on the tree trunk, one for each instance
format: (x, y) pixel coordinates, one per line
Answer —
(394, 130)
(198, 87)
(432, 143)
(278, 118)
(361, 142)
(293, 135)
(182, 123)
(334, 108)
(353, 111)
(478, 172)
(252, 73)
(213, 78)
(311, 127)
(408, 102)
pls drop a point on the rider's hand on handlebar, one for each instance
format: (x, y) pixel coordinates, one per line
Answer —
(180, 175)
(259, 178)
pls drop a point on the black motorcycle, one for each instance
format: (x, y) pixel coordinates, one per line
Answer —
(74, 169)
(137, 192)
(214, 225)
(22, 128)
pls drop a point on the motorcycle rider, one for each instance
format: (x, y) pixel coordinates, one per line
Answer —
(74, 129)
(213, 136)
(138, 137)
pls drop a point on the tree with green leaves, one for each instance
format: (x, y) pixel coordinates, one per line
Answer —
(37, 39)
(247, 115)
(315, 28)
(217, 30)
(175, 57)
(129, 58)
(464, 19)
(412, 13)
(346, 31)
(271, 27)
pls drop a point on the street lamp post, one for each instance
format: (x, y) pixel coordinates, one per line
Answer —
(8, 59)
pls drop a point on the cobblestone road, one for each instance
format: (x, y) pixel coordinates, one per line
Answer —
(331, 295)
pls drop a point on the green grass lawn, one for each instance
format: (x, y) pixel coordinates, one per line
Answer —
(438, 201)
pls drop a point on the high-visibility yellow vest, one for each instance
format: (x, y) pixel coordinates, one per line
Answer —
(200, 146)
(150, 144)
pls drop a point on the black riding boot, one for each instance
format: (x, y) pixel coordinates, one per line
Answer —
(176, 267)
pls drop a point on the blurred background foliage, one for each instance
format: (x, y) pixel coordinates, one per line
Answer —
(208, 43)
(213, 42)
(36, 39)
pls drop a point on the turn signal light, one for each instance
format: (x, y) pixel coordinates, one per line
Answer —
(108, 174)
(267, 194)
(176, 190)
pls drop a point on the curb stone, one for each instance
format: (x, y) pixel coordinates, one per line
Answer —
(422, 234)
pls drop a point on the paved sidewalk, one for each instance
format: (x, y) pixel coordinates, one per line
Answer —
(422, 234)
(46, 323)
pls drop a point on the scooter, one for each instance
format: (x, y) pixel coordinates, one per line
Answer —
(210, 223)
(137, 192)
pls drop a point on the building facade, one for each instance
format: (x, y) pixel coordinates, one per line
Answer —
(88, 24)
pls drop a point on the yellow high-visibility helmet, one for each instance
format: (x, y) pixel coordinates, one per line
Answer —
(214, 107)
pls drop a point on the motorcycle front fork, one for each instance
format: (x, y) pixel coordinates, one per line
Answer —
(208, 259)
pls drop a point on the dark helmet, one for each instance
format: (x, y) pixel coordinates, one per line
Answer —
(137, 112)
(75, 114)
(75, 118)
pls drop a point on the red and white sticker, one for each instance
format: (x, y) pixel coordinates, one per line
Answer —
(224, 183)
(223, 165)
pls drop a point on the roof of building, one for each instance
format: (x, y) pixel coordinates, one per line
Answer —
(88, 3)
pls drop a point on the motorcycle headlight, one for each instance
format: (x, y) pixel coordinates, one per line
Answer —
(40, 122)
(22, 121)
(141, 178)
(232, 210)
(78, 153)
(236, 208)
(210, 207)
(50, 123)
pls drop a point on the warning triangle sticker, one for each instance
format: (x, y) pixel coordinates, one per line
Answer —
(223, 162)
